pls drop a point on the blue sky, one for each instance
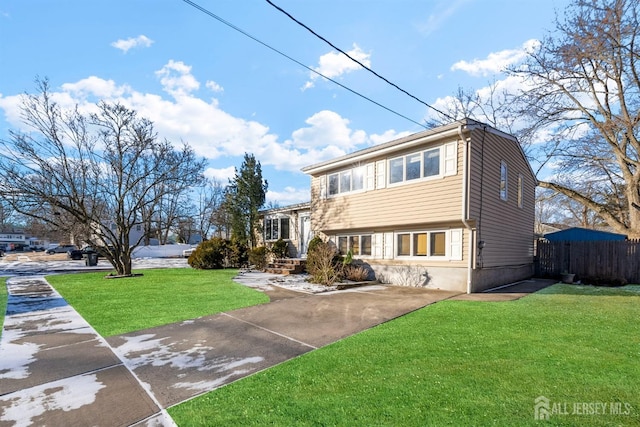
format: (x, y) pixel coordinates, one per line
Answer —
(203, 82)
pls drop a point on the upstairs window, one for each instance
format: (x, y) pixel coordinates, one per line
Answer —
(439, 161)
(346, 181)
(504, 184)
(431, 163)
(423, 164)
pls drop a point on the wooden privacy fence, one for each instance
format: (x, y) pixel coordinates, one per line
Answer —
(608, 261)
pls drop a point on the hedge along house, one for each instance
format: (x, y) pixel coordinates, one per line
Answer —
(449, 208)
(289, 223)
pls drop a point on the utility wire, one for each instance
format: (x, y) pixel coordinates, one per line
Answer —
(229, 24)
(358, 62)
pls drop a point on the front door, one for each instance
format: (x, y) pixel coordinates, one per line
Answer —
(305, 234)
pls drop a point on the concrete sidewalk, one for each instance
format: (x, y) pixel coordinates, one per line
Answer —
(55, 370)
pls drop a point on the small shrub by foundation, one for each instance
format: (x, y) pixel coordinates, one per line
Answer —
(323, 264)
(258, 257)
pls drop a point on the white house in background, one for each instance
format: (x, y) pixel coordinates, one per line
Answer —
(290, 223)
(135, 234)
(449, 208)
(13, 239)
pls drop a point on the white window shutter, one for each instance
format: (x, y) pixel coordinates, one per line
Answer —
(381, 174)
(377, 245)
(455, 244)
(450, 158)
(323, 187)
(388, 246)
(370, 176)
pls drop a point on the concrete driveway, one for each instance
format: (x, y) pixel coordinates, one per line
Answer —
(182, 360)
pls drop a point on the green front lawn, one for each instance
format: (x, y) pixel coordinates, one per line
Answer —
(159, 297)
(456, 363)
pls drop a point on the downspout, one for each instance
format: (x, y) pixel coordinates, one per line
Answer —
(465, 203)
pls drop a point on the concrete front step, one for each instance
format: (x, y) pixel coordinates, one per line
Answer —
(287, 266)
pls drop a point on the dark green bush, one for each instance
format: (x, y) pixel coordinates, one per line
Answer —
(237, 254)
(258, 257)
(209, 254)
(280, 249)
(313, 243)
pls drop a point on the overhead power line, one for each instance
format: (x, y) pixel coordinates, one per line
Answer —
(358, 62)
(279, 52)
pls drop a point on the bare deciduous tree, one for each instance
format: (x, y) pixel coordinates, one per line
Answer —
(584, 93)
(98, 172)
(209, 203)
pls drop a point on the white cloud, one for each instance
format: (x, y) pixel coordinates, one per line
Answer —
(212, 132)
(335, 64)
(95, 86)
(327, 127)
(290, 195)
(176, 78)
(496, 62)
(130, 43)
(222, 175)
(11, 107)
(213, 86)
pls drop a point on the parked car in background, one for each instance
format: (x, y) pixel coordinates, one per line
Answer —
(100, 250)
(75, 254)
(61, 249)
(187, 252)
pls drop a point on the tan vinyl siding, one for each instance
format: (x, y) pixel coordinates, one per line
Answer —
(506, 229)
(434, 200)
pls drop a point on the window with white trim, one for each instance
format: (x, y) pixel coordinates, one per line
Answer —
(276, 228)
(423, 164)
(358, 244)
(432, 163)
(346, 181)
(504, 184)
(435, 244)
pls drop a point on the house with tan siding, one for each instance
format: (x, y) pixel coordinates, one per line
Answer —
(447, 208)
(290, 223)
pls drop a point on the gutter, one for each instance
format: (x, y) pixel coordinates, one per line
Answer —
(465, 203)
